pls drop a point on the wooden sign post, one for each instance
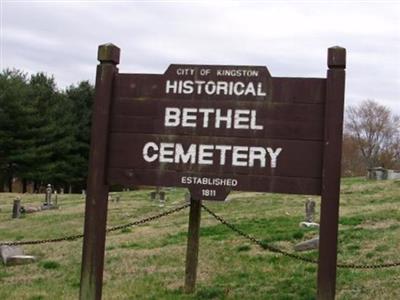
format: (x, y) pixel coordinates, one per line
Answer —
(192, 250)
(97, 188)
(335, 84)
(214, 129)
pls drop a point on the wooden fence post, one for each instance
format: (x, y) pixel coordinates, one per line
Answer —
(192, 251)
(97, 188)
(334, 105)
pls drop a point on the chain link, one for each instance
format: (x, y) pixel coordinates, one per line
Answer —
(292, 255)
(78, 236)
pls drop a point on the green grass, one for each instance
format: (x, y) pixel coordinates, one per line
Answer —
(148, 261)
(49, 264)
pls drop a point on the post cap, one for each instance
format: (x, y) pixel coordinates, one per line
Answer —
(337, 57)
(108, 53)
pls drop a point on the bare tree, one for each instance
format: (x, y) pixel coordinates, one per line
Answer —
(353, 163)
(376, 131)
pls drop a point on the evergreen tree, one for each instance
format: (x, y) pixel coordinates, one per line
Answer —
(44, 133)
(14, 124)
(81, 99)
(53, 133)
(42, 129)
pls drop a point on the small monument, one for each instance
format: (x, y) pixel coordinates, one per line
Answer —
(49, 191)
(159, 195)
(16, 213)
(48, 203)
(377, 173)
(113, 197)
(310, 214)
(393, 174)
(310, 210)
(55, 198)
(14, 255)
(162, 199)
(311, 244)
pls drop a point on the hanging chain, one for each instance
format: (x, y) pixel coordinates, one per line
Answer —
(255, 241)
(247, 236)
(292, 255)
(78, 236)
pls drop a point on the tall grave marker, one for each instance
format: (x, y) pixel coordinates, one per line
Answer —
(214, 129)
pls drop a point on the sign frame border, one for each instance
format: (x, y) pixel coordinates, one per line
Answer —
(97, 188)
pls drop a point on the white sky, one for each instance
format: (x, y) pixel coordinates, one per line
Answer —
(289, 37)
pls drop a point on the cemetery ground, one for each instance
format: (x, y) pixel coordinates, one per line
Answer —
(148, 261)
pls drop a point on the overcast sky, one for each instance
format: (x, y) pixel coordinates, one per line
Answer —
(289, 37)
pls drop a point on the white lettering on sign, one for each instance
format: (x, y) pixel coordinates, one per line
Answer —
(236, 88)
(208, 193)
(206, 154)
(238, 73)
(222, 149)
(224, 118)
(274, 156)
(188, 157)
(185, 71)
(225, 72)
(208, 181)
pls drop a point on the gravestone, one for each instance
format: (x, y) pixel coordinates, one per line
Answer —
(377, 173)
(48, 203)
(49, 191)
(393, 174)
(16, 213)
(162, 198)
(158, 194)
(114, 198)
(310, 210)
(31, 209)
(310, 214)
(307, 245)
(14, 255)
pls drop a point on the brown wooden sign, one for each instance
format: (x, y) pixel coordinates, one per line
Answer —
(214, 129)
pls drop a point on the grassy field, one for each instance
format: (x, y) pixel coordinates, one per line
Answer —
(147, 262)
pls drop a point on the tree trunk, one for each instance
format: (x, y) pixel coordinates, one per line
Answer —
(2, 183)
(10, 181)
(24, 183)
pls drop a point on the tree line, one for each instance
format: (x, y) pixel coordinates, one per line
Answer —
(371, 138)
(45, 133)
